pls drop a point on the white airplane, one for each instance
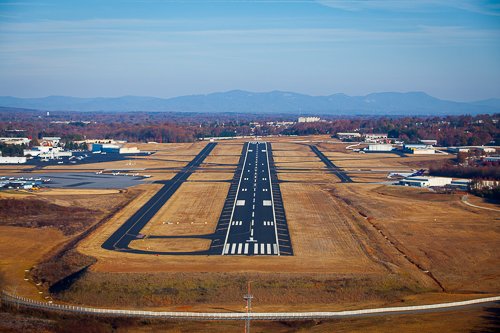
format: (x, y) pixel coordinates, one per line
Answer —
(116, 173)
(38, 178)
(46, 180)
(3, 177)
(403, 174)
(135, 174)
(98, 172)
(147, 176)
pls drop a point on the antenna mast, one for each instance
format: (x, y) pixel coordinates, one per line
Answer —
(248, 298)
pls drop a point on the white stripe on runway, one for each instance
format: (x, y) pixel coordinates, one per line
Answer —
(262, 249)
(269, 249)
(233, 248)
(226, 249)
(256, 248)
(246, 248)
(275, 249)
(239, 248)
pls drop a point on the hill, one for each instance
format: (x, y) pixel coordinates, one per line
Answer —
(389, 103)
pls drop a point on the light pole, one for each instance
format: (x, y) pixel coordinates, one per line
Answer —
(248, 298)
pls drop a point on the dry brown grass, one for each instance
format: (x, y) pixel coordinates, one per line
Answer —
(20, 248)
(223, 148)
(311, 177)
(436, 231)
(210, 176)
(171, 245)
(191, 206)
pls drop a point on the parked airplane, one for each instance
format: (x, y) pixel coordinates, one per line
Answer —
(116, 173)
(98, 172)
(135, 174)
(147, 176)
(403, 174)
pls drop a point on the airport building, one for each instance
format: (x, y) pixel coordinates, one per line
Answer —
(348, 135)
(15, 141)
(419, 149)
(47, 152)
(429, 142)
(380, 147)
(308, 119)
(423, 181)
(487, 149)
(12, 160)
(108, 148)
(458, 149)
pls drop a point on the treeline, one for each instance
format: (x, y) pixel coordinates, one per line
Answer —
(188, 127)
(12, 150)
(470, 172)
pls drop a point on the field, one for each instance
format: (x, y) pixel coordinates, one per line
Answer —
(355, 245)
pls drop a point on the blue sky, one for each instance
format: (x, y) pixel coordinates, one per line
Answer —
(448, 49)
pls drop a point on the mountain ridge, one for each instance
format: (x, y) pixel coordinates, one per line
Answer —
(385, 103)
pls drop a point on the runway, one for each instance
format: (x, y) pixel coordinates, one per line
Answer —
(252, 221)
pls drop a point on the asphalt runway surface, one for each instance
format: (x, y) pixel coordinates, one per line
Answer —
(83, 180)
(252, 221)
(344, 178)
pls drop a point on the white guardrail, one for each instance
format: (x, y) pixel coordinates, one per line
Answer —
(241, 316)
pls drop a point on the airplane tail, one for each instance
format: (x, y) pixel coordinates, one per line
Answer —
(419, 173)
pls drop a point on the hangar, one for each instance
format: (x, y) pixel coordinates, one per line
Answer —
(422, 181)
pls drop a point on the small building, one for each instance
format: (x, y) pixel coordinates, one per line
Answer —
(47, 152)
(487, 149)
(380, 147)
(458, 149)
(15, 141)
(419, 149)
(459, 184)
(105, 148)
(492, 158)
(12, 160)
(348, 135)
(423, 181)
(429, 142)
(50, 141)
(131, 150)
(308, 119)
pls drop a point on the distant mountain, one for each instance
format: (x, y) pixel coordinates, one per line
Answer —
(391, 103)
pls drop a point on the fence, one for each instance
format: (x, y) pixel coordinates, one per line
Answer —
(242, 316)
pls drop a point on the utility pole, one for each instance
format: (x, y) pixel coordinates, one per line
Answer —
(248, 298)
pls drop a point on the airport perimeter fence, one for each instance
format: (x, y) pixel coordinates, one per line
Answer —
(21, 301)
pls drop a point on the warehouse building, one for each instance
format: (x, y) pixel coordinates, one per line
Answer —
(381, 147)
(422, 181)
(12, 160)
(458, 149)
(108, 148)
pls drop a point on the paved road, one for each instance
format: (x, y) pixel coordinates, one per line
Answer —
(344, 178)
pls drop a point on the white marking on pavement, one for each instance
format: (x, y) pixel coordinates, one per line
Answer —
(269, 249)
(256, 249)
(226, 249)
(275, 249)
(262, 248)
(246, 248)
(233, 248)
(239, 248)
